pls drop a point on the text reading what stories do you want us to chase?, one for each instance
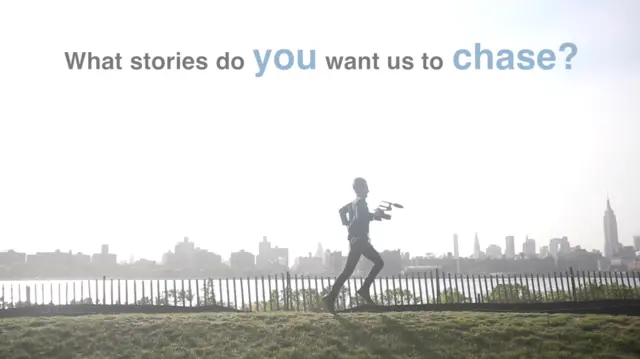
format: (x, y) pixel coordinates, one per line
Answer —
(264, 61)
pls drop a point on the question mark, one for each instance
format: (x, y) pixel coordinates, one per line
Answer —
(572, 53)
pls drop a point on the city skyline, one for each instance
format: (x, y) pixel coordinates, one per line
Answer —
(271, 259)
(530, 247)
(508, 245)
(188, 259)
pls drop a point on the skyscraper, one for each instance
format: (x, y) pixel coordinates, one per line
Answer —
(554, 247)
(636, 242)
(544, 251)
(565, 246)
(456, 252)
(611, 243)
(320, 253)
(476, 247)
(529, 247)
(559, 247)
(510, 248)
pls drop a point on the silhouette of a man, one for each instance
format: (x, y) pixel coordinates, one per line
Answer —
(357, 221)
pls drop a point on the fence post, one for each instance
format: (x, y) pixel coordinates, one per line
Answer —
(28, 289)
(573, 284)
(437, 286)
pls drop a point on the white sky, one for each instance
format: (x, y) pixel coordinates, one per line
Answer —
(141, 159)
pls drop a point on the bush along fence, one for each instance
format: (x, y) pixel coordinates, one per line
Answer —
(288, 292)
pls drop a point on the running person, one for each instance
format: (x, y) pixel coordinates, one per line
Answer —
(359, 244)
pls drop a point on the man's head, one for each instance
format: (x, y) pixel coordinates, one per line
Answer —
(361, 187)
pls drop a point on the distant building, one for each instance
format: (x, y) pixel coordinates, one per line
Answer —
(320, 253)
(510, 249)
(335, 262)
(626, 252)
(11, 258)
(456, 252)
(271, 256)
(406, 259)
(81, 259)
(50, 259)
(187, 255)
(544, 252)
(636, 242)
(310, 265)
(611, 243)
(182, 256)
(242, 261)
(184, 252)
(559, 247)
(494, 251)
(104, 258)
(168, 258)
(144, 264)
(554, 247)
(565, 246)
(419, 261)
(202, 258)
(529, 247)
(392, 262)
(477, 253)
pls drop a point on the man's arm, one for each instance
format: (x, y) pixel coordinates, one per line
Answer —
(343, 214)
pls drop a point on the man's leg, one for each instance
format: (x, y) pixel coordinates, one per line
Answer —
(371, 254)
(355, 251)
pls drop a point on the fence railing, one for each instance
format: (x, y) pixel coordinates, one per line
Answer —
(290, 292)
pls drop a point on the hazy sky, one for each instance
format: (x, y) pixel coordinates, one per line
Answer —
(140, 159)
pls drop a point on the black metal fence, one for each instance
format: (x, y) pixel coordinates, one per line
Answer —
(290, 292)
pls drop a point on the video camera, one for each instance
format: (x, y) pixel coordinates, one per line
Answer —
(386, 206)
(379, 212)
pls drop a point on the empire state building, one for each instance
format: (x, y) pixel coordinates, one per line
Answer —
(611, 243)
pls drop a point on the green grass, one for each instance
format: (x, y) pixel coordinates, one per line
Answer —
(305, 336)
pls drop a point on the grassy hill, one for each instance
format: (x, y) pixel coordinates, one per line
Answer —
(298, 335)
